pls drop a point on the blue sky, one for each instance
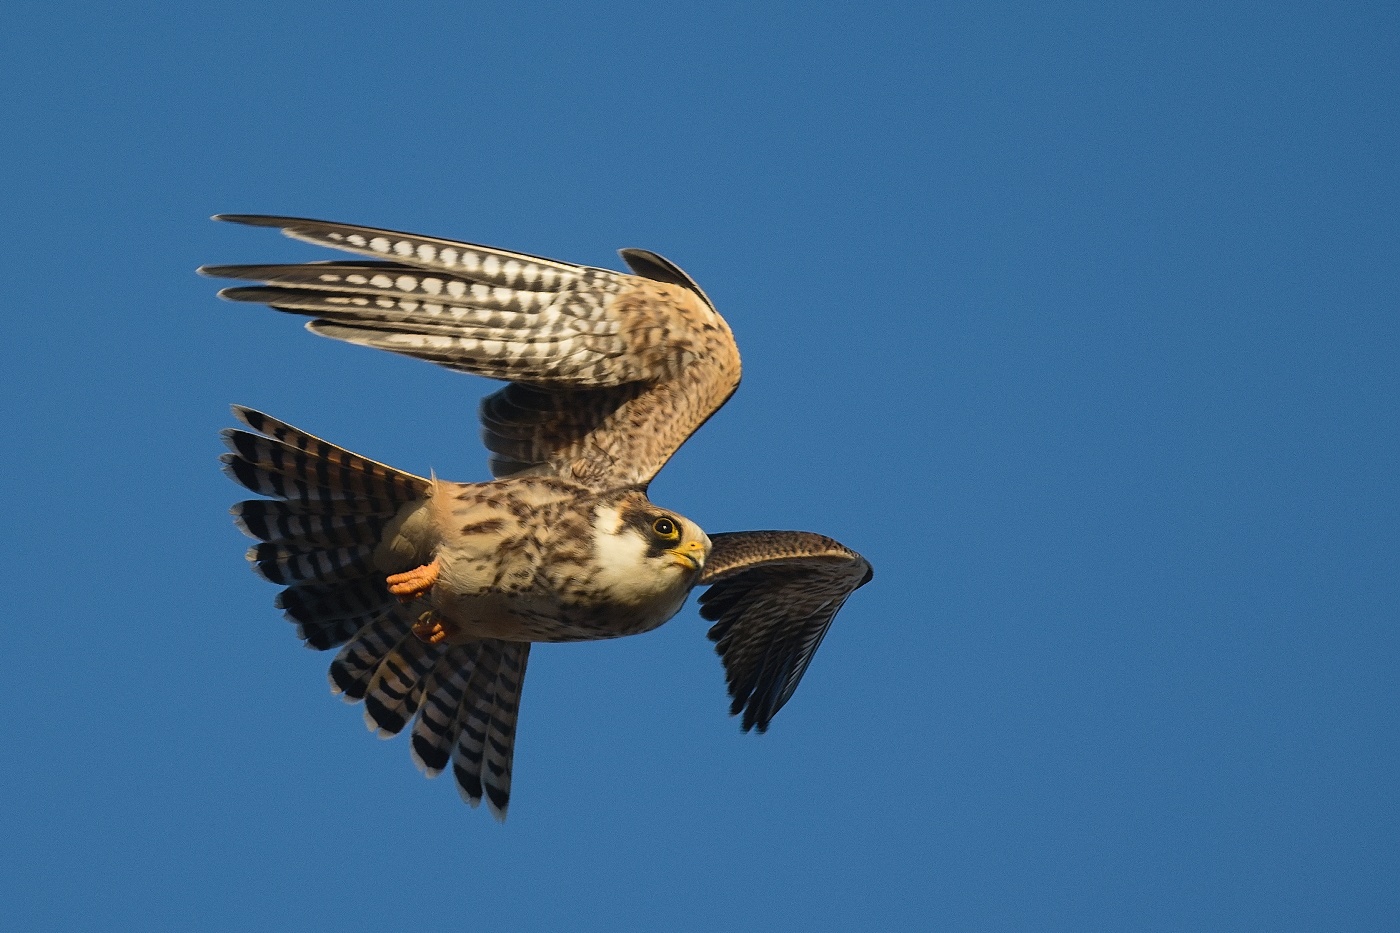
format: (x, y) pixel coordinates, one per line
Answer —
(1079, 321)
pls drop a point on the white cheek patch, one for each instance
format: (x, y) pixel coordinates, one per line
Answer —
(624, 569)
(622, 553)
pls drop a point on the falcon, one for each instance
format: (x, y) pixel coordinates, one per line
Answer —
(434, 591)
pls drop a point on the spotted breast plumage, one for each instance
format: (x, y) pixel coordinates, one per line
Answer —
(434, 591)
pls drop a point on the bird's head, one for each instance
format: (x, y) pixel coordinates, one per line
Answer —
(646, 553)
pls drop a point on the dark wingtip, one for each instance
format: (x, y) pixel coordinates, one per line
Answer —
(252, 293)
(249, 416)
(258, 220)
(654, 266)
(222, 272)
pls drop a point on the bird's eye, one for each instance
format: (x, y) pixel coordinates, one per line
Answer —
(665, 528)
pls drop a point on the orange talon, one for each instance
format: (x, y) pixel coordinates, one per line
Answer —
(411, 584)
(431, 629)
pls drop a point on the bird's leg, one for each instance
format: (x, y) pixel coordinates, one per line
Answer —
(432, 628)
(411, 584)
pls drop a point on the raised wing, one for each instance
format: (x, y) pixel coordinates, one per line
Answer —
(772, 597)
(609, 372)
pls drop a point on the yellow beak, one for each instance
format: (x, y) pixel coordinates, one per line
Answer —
(690, 555)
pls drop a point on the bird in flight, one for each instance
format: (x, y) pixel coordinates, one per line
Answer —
(434, 591)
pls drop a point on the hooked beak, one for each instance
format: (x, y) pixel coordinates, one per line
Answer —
(690, 555)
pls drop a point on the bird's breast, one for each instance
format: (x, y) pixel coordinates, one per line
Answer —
(525, 561)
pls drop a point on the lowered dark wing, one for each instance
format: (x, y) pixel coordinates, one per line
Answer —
(772, 596)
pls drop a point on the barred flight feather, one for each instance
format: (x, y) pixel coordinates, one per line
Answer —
(500, 737)
(652, 341)
(324, 634)
(381, 279)
(478, 263)
(568, 361)
(485, 746)
(323, 466)
(435, 731)
(284, 523)
(482, 313)
(355, 665)
(279, 563)
(472, 718)
(311, 603)
(396, 690)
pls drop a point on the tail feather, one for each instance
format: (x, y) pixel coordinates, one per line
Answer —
(319, 541)
(310, 452)
(485, 747)
(396, 690)
(500, 736)
(472, 718)
(355, 665)
(328, 633)
(294, 524)
(336, 473)
(310, 604)
(318, 537)
(279, 563)
(435, 732)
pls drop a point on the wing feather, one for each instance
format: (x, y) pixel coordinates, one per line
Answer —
(609, 372)
(773, 596)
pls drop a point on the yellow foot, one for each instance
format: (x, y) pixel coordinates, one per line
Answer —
(431, 629)
(414, 583)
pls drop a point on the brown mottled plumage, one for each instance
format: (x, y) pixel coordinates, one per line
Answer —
(436, 590)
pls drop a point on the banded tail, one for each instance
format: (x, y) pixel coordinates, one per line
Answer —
(318, 535)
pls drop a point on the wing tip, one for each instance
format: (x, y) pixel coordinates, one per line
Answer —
(869, 574)
(247, 416)
(255, 294)
(752, 721)
(658, 268)
(259, 220)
